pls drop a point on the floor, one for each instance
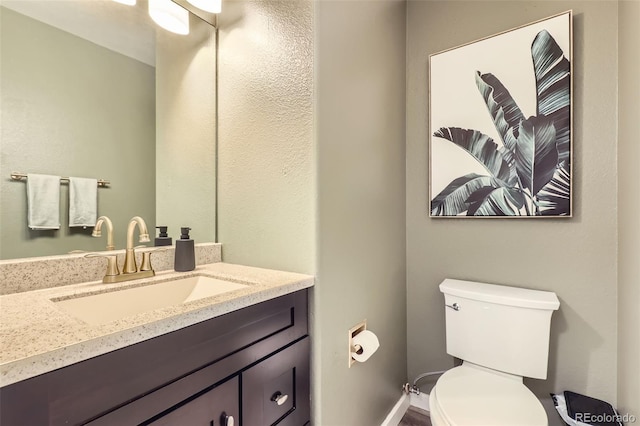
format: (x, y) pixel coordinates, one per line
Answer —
(415, 417)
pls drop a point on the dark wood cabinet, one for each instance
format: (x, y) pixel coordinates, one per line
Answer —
(224, 371)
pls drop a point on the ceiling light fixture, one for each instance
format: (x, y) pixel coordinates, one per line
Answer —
(211, 6)
(169, 16)
(127, 2)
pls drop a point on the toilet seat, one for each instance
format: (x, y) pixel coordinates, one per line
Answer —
(469, 395)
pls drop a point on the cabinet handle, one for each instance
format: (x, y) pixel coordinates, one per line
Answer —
(279, 398)
(227, 420)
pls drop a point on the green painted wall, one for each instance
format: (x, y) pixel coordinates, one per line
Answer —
(360, 129)
(266, 190)
(576, 258)
(628, 207)
(311, 178)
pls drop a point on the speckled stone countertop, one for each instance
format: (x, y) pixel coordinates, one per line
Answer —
(36, 336)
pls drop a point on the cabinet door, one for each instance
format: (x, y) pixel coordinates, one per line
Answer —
(216, 407)
(276, 390)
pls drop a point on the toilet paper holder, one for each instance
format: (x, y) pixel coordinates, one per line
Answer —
(362, 343)
(354, 347)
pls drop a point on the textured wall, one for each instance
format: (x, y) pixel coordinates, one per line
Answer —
(575, 257)
(267, 168)
(628, 207)
(266, 189)
(360, 125)
(186, 129)
(59, 120)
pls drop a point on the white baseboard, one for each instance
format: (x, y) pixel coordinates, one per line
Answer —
(420, 401)
(397, 412)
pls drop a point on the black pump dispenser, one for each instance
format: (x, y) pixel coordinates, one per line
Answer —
(185, 258)
(163, 239)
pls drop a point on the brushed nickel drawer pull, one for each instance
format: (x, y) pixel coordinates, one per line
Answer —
(227, 420)
(279, 398)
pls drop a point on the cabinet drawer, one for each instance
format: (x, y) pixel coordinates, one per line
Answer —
(276, 391)
(218, 406)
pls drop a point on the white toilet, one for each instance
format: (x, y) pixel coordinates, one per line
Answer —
(501, 334)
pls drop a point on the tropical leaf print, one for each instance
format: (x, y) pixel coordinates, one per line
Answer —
(555, 198)
(454, 199)
(497, 202)
(505, 112)
(536, 154)
(529, 173)
(480, 146)
(552, 72)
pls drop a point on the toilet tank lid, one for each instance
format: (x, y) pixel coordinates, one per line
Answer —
(501, 294)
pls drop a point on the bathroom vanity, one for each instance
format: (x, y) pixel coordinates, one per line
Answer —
(246, 364)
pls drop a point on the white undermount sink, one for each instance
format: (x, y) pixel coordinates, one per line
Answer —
(114, 305)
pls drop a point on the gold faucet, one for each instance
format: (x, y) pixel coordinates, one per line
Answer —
(130, 266)
(97, 231)
(130, 270)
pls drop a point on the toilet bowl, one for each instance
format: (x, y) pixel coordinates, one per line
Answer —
(469, 395)
(501, 334)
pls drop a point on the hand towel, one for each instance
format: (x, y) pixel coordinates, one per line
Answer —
(83, 202)
(43, 201)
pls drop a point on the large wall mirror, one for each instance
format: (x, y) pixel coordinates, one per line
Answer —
(94, 88)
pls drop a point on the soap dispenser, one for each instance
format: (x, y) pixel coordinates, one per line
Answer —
(163, 239)
(185, 259)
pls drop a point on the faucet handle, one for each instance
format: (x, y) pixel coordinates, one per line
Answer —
(112, 264)
(145, 265)
(146, 262)
(146, 259)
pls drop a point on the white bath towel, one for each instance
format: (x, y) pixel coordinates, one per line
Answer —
(43, 201)
(83, 202)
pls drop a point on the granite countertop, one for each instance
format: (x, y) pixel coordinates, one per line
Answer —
(36, 336)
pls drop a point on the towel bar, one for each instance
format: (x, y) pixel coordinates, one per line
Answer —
(20, 176)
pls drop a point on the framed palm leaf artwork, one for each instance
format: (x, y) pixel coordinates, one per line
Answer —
(500, 120)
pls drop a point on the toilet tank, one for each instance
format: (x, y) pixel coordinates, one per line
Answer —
(499, 327)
